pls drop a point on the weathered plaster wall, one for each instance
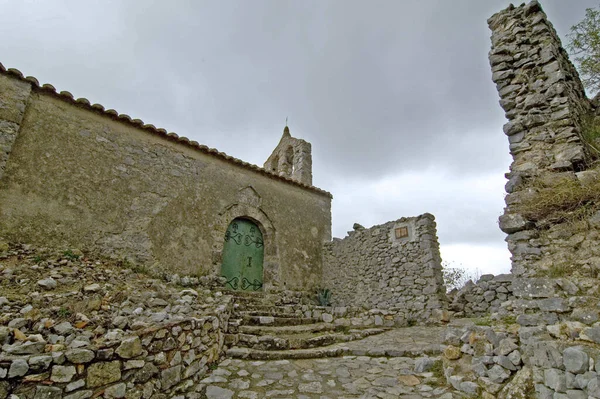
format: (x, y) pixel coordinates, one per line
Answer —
(371, 268)
(13, 101)
(81, 178)
(545, 104)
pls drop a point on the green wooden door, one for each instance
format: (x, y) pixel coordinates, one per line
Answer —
(243, 253)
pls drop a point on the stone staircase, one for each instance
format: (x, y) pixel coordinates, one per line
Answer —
(267, 327)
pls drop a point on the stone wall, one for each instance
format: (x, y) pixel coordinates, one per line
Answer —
(544, 342)
(84, 177)
(166, 359)
(483, 297)
(483, 360)
(394, 266)
(545, 105)
(72, 327)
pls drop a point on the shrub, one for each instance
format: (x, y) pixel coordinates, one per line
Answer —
(70, 255)
(458, 277)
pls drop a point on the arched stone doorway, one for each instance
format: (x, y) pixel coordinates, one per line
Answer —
(243, 255)
(247, 206)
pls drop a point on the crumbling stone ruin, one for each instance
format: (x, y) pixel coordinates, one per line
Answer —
(403, 278)
(546, 107)
(538, 337)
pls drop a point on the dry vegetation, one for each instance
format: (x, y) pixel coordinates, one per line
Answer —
(564, 200)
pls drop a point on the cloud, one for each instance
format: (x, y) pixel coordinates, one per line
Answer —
(477, 259)
(466, 209)
(395, 96)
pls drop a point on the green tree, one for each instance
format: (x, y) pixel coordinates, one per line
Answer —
(584, 45)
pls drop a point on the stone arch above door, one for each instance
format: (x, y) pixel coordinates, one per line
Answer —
(246, 208)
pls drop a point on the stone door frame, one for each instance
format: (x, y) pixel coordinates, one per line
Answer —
(256, 215)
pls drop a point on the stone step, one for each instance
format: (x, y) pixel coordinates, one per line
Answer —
(233, 325)
(284, 330)
(335, 350)
(232, 339)
(243, 294)
(279, 311)
(254, 354)
(277, 321)
(302, 341)
(254, 295)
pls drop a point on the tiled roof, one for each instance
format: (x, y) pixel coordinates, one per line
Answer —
(138, 123)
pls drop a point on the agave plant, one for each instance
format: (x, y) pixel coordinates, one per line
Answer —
(324, 297)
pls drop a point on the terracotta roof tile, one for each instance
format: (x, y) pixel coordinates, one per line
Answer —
(85, 103)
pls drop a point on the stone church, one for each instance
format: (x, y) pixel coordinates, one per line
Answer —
(76, 175)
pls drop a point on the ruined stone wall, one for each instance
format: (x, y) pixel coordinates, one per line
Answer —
(167, 359)
(543, 341)
(81, 177)
(73, 327)
(483, 297)
(545, 104)
(376, 269)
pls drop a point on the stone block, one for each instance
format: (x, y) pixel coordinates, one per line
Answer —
(170, 377)
(533, 287)
(116, 391)
(575, 360)
(576, 394)
(546, 355)
(18, 368)
(103, 373)
(559, 305)
(555, 379)
(512, 223)
(423, 364)
(591, 334)
(498, 374)
(129, 347)
(543, 392)
(79, 356)
(46, 392)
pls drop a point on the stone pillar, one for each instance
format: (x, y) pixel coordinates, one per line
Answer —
(544, 101)
(14, 94)
(302, 171)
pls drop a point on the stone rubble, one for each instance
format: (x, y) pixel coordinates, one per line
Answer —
(483, 297)
(76, 328)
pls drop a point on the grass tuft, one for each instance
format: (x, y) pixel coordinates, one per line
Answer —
(565, 200)
(483, 321)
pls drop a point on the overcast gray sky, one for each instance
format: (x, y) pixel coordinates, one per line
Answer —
(395, 96)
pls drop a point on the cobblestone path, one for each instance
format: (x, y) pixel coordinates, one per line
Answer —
(344, 377)
(355, 376)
